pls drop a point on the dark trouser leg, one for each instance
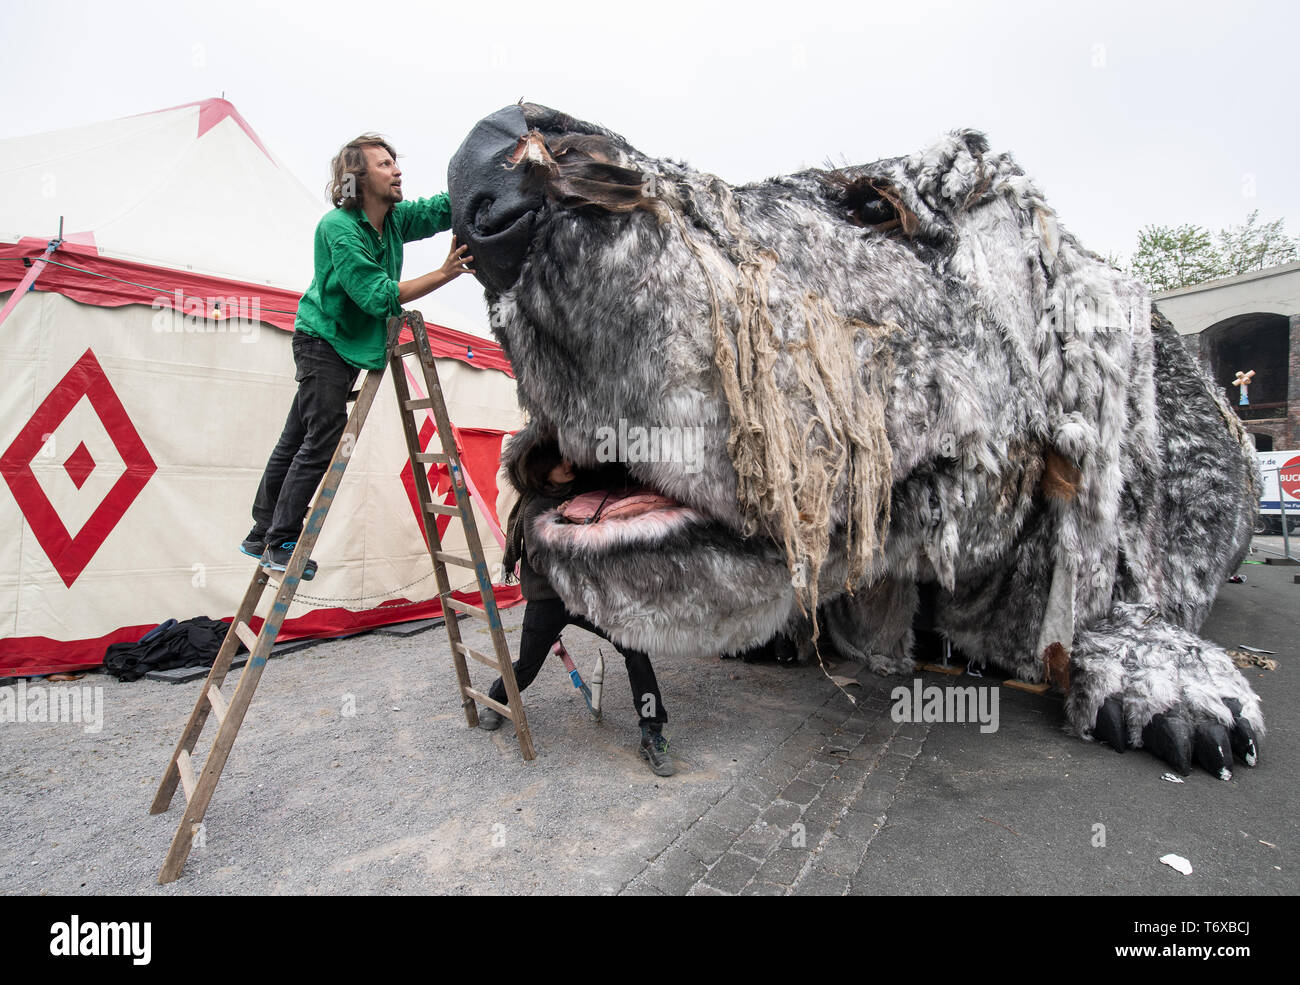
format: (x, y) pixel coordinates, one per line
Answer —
(645, 689)
(646, 698)
(277, 467)
(543, 621)
(324, 382)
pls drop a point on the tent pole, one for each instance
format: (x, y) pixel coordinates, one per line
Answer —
(37, 266)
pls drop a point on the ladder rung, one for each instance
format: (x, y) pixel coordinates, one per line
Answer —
(187, 773)
(442, 509)
(483, 699)
(465, 607)
(405, 349)
(464, 562)
(424, 403)
(432, 456)
(482, 658)
(218, 702)
(246, 635)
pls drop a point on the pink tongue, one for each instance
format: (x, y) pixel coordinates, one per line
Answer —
(581, 509)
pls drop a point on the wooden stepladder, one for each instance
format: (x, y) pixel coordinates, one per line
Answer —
(230, 708)
(499, 661)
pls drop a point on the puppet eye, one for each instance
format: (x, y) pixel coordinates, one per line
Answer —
(867, 206)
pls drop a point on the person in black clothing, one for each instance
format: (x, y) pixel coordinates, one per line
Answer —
(545, 480)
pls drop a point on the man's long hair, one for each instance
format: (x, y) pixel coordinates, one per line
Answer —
(349, 168)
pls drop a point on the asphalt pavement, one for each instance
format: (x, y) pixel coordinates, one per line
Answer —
(355, 773)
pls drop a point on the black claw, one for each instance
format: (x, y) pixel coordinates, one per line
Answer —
(1213, 750)
(1244, 744)
(1170, 738)
(1110, 724)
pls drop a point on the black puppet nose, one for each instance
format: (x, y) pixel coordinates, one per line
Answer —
(492, 208)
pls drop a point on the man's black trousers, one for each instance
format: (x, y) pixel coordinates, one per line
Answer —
(543, 621)
(316, 420)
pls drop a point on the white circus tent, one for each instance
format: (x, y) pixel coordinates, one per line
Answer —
(150, 268)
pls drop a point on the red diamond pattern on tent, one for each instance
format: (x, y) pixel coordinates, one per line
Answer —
(69, 554)
(79, 465)
(480, 453)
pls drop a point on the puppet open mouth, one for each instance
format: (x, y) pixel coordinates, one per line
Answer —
(620, 515)
(659, 575)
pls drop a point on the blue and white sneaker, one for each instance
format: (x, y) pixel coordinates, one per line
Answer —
(277, 559)
(254, 544)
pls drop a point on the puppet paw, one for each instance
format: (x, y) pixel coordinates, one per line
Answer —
(1180, 740)
(1139, 682)
(1109, 726)
(1245, 745)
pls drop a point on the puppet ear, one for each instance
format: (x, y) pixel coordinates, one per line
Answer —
(587, 170)
(875, 203)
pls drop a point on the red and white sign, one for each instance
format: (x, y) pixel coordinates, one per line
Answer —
(1280, 471)
(1289, 478)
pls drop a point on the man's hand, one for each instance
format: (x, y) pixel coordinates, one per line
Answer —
(457, 263)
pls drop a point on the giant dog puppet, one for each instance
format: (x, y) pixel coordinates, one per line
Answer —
(896, 374)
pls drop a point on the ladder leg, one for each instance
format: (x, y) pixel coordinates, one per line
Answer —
(220, 667)
(215, 762)
(437, 404)
(429, 521)
(233, 716)
(522, 732)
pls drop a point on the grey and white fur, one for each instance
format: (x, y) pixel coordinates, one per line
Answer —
(1000, 345)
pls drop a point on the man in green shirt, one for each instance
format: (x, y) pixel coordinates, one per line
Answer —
(341, 327)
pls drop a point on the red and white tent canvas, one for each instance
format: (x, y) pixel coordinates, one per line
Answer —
(148, 372)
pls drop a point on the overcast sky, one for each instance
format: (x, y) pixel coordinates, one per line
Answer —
(1126, 113)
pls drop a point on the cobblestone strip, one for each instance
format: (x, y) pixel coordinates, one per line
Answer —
(839, 855)
(802, 822)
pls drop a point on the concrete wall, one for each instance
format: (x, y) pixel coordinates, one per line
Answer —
(1275, 290)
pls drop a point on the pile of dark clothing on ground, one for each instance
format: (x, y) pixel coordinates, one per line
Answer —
(192, 643)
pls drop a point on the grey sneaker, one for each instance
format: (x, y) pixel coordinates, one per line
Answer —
(654, 750)
(489, 719)
(277, 559)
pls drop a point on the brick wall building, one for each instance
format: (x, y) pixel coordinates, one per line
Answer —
(1243, 323)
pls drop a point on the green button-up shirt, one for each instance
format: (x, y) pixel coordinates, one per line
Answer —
(354, 290)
